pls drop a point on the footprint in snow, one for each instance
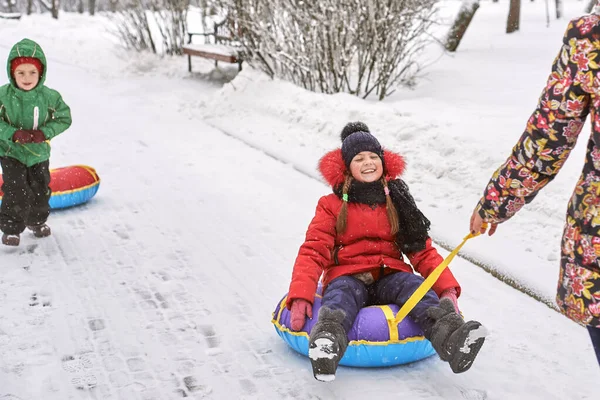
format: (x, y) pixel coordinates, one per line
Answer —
(40, 299)
(76, 363)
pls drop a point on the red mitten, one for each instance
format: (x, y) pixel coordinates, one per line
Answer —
(452, 295)
(299, 310)
(22, 136)
(38, 136)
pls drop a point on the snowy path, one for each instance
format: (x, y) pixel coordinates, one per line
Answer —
(163, 286)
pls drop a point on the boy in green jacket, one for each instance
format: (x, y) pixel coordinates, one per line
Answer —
(31, 114)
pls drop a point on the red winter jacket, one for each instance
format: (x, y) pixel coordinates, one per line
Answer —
(366, 245)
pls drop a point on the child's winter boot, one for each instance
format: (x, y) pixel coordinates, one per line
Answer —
(455, 340)
(40, 231)
(327, 344)
(11, 240)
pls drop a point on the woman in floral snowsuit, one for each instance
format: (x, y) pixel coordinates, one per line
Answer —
(572, 92)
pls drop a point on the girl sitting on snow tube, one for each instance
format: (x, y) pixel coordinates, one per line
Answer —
(357, 239)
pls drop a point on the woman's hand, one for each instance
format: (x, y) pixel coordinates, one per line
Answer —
(478, 225)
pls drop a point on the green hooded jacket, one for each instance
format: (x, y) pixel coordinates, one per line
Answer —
(39, 108)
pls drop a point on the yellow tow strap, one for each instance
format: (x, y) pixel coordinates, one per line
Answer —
(428, 283)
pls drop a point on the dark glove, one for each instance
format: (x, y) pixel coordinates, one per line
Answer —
(38, 136)
(22, 136)
(451, 294)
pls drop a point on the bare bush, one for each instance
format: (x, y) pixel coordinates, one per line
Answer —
(362, 47)
(133, 28)
(170, 18)
(391, 34)
(146, 24)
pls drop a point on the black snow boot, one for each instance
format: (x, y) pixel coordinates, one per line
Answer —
(327, 344)
(455, 340)
(40, 231)
(11, 240)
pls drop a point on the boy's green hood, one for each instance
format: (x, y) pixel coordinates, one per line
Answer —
(26, 48)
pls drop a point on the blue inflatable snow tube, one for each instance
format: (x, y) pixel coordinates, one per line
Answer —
(374, 340)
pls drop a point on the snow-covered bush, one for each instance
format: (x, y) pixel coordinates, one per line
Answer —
(363, 47)
(156, 25)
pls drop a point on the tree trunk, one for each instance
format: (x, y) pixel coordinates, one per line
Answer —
(29, 6)
(514, 16)
(55, 5)
(559, 6)
(590, 6)
(460, 25)
(92, 7)
(80, 7)
(113, 5)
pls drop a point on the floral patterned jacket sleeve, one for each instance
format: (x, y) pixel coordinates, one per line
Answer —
(552, 129)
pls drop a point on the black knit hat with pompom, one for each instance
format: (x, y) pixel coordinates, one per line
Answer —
(357, 138)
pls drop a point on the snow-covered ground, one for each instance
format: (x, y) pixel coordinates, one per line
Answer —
(163, 285)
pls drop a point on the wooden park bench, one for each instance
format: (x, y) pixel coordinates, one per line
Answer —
(223, 47)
